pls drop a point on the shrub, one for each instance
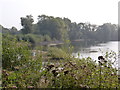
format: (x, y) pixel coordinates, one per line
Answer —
(57, 53)
(29, 72)
(14, 52)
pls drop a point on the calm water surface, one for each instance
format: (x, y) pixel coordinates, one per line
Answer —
(94, 51)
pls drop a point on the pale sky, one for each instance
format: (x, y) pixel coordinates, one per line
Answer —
(93, 11)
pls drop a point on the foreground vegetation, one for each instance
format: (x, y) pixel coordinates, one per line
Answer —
(53, 68)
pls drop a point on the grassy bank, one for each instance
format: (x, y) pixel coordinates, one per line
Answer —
(61, 70)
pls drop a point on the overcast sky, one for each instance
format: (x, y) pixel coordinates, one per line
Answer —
(93, 11)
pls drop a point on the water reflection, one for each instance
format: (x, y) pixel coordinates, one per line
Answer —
(95, 50)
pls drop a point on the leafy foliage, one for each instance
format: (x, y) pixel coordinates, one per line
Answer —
(54, 27)
(57, 53)
(14, 52)
(61, 29)
(34, 72)
(27, 24)
(21, 69)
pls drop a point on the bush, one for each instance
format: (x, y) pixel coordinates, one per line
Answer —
(31, 72)
(20, 69)
(14, 52)
(57, 53)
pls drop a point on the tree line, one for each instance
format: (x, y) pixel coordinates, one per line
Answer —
(49, 28)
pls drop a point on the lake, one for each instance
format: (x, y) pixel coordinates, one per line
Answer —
(94, 50)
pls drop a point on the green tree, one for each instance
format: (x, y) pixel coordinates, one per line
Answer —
(74, 32)
(105, 32)
(13, 30)
(4, 30)
(27, 23)
(54, 27)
